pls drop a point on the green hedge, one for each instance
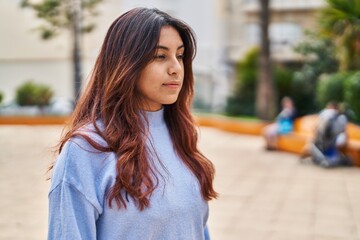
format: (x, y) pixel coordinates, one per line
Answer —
(242, 101)
(331, 87)
(352, 95)
(32, 94)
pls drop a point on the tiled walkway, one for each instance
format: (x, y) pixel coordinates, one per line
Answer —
(263, 195)
(270, 195)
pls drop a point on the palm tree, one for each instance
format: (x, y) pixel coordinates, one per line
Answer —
(266, 107)
(340, 21)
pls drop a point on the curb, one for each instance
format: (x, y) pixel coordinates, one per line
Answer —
(33, 120)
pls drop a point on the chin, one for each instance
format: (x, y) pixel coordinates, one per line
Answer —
(169, 102)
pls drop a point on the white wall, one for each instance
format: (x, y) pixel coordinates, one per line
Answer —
(23, 55)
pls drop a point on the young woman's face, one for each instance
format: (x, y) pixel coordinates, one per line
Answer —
(161, 80)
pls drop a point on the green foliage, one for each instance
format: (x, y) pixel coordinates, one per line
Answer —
(247, 69)
(352, 95)
(32, 94)
(303, 93)
(320, 59)
(331, 88)
(283, 77)
(200, 105)
(242, 101)
(319, 53)
(1, 96)
(57, 15)
(340, 21)
(239, 105)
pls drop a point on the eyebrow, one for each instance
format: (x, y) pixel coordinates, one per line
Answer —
(166, 48)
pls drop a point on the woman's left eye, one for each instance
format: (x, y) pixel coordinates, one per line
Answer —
(180, 56)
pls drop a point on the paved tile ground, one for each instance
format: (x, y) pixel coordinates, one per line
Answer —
(263, 195)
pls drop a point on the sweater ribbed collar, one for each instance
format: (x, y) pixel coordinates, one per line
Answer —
(156, 119)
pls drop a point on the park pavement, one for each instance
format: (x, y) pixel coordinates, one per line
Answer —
(263, 195)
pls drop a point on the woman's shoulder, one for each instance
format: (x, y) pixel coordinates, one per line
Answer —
(80, 163)
(79, 155)
(90, 132)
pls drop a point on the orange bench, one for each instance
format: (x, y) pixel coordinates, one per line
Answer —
(304, 130)
(228, 124)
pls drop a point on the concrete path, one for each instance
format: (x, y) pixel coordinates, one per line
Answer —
(263, 195)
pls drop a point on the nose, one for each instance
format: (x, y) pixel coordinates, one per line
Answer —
(175, 66)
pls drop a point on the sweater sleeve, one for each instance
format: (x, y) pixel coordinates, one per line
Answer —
(71, 215)
(76, 195)
(206, 233)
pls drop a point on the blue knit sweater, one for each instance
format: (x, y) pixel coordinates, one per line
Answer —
(78, 207)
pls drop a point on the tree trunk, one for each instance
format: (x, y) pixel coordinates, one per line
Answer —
(266, 107)
(76, 54)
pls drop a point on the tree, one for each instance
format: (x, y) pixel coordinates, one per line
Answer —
(266, 107)
(340, 20)
(72, 15)
(242, 100)
(319, 53)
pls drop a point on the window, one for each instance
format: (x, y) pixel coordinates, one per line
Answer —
(284, 33)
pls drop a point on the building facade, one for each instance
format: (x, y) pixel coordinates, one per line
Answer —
(225, 31)
(288, 22)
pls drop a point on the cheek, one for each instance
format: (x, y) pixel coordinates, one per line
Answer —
(147, 87)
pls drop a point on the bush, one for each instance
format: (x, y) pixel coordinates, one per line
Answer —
(1, 96)
(242, 101)
(32, 94)
(352, 95)
(240, 105)
(331, 88)
(321, 58)
(283, 77)
(303, 93)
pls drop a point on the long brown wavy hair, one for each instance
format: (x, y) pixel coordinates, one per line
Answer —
(111, 97)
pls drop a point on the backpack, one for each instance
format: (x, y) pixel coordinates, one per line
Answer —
(326, 134)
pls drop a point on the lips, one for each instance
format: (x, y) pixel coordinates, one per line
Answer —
(172, 84)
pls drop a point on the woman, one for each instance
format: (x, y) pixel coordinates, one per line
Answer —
(129, 167)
